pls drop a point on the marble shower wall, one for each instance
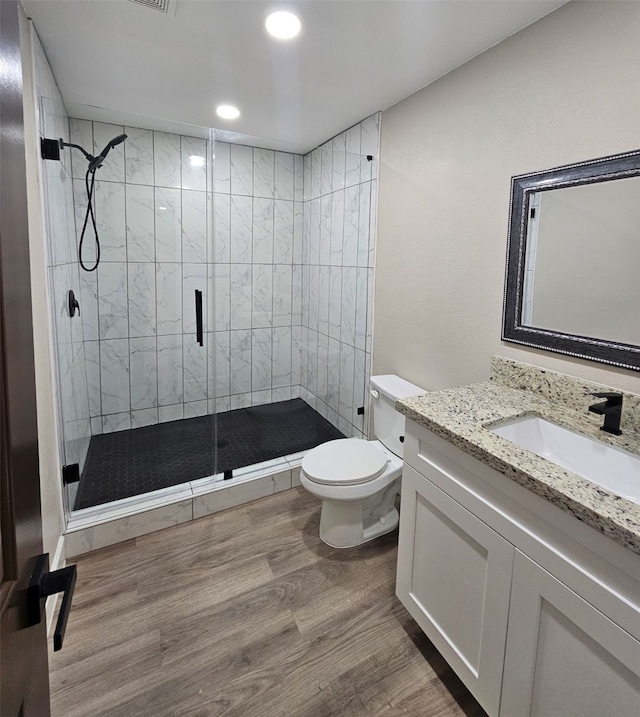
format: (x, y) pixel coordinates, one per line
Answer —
(258, 274)
(340, 213)
(138, 309)
(62, 268)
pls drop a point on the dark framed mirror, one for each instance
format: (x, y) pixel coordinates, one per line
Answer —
(572, 282)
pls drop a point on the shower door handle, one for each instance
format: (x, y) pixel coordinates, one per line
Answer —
(199, 338)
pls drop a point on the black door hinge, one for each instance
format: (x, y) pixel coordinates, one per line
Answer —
(70, 473)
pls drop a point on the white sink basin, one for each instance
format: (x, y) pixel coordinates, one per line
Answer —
(612, 468)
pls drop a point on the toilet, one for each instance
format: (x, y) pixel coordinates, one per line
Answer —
(358, 480)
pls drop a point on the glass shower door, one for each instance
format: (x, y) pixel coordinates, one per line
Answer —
(135, 371)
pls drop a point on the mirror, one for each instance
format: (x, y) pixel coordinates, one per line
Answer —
(573, 260)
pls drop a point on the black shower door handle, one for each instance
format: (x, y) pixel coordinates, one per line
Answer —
(199, 338)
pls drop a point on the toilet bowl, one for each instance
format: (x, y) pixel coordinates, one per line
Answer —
(358, 480)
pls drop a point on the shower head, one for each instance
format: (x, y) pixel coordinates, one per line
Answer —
(97, 161)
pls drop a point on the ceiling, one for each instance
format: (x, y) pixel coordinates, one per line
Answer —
(120, 61)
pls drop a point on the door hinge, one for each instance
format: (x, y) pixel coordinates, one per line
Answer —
(70, 473)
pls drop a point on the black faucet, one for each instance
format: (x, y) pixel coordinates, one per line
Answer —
(611, 409)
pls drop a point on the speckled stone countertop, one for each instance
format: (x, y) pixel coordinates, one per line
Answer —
(462, 415)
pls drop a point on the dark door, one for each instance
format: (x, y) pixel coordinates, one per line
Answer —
(23, 650)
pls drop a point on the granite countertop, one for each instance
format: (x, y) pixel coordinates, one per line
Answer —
(462, 415)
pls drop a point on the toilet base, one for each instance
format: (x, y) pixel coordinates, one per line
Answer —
(346, 524)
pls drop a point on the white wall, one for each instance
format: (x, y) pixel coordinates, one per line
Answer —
(563, 90)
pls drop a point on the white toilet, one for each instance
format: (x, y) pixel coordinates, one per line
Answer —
(358, 480)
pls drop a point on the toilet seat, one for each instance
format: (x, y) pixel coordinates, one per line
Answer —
(346, 461)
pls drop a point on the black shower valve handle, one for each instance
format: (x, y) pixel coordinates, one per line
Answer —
(73, 304)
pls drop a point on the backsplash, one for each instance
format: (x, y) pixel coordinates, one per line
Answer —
(571, 392)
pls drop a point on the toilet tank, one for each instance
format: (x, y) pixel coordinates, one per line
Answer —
(388, 424)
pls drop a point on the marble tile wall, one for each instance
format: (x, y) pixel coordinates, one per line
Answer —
(62, 270)
(338, 251)
(256, 335)
(143, 364)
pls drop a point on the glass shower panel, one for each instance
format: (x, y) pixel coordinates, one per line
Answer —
(62, 275)
(141, 368)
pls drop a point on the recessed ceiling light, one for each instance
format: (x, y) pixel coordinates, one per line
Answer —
(227, 112)
(196, 160)
(283, 25)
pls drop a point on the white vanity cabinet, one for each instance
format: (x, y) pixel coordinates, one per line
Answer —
(537, 613)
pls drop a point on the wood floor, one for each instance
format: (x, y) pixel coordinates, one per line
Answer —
(246, 613)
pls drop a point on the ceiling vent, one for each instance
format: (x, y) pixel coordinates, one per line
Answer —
(161, 5)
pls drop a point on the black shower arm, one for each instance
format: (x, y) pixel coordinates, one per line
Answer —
(76, 146)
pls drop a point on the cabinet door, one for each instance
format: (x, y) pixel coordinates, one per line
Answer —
(454, 577)
(563, 656)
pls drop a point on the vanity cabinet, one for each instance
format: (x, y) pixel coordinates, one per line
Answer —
(537, 613)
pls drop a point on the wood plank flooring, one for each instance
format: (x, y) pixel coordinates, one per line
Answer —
(246, 613)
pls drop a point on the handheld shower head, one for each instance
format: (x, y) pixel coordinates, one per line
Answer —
(97, 161)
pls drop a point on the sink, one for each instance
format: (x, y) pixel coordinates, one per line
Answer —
(612, 468)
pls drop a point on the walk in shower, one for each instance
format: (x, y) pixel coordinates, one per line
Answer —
(226, 329)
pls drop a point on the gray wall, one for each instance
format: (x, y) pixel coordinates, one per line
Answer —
(563, 90)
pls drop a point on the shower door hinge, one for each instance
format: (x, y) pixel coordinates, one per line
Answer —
(70, 473)
(49, 148)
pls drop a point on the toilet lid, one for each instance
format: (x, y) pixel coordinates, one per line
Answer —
(347, 461)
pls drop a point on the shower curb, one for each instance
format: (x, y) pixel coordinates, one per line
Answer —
(94, 528)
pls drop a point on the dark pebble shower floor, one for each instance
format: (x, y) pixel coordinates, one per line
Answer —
(127, 463)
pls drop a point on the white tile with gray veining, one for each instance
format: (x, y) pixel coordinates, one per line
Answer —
(109, 212)
(241, 282)
(138, 156)
(141, 243)
(283, 227)
(114, 376)
(263, 230)
(263, 173)
(241, 229)
(241, 160)
(144, 372)
(194, 163)
(284, 176)
(240, 350)
(222, 164)
(281, 356)
(261, 359)
(170, 387)
(194, 369)
(167, 159)
(169, 298)
(222, 228)
(112, 300)
(194, 226)
(142, 299)
(168, 214)
(262, 296)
